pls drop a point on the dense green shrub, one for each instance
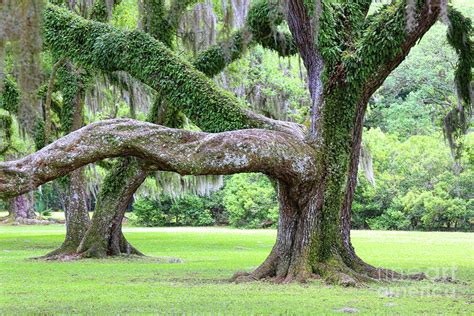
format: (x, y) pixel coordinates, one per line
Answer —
(250, 200)
(167, 211)
(191, 211)
(418, 185)
(149, 212)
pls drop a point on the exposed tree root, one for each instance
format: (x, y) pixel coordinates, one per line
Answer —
(72, 249)
(115, 246)
(78, 256)
(68, 248)
(24, 221)
(333, 271)
(61, 257)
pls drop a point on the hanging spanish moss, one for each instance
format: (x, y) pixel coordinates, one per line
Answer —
(137, 95)
(366, 165)
(109, 89)
(198, 28)
(149, 188)
(94, 179)
(443, 14)
(410, 12)
(456, 122)
(20, 26)
(249, 81)
(202, 21)
(235, 12)
(174, 185)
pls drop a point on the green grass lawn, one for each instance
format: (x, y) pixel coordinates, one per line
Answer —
(211, 255)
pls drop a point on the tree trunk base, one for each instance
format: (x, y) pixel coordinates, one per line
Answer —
(72, 251)
(116, 246)
(311, 245)
(68, 248)
(333, 271)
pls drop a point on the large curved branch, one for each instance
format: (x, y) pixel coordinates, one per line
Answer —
(393, 44)
(277, 154)
(108, 49)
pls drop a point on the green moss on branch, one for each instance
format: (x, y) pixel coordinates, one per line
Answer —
(10, 95)
(105, 48)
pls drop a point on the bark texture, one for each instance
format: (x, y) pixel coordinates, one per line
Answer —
(76, 213)
(21, 207)
(305, 32)
(105, 236)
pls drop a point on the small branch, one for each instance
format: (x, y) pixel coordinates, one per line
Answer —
(47, 105)
(305, 27)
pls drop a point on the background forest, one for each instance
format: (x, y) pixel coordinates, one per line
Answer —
(408, 178)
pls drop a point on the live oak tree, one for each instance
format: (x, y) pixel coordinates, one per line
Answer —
(347, 53)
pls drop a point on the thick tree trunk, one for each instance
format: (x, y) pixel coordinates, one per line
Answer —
(314, 231)
(309, 246)
(313, 239)
(105, 236)
(76, 212)
(21, 207)
(305, 249)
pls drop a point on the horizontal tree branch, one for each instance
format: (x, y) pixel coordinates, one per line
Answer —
(277, 154)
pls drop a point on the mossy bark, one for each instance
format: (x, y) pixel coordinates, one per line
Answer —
(105, 237)
(313, 239)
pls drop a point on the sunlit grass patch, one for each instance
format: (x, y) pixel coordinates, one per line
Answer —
(198, 281)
